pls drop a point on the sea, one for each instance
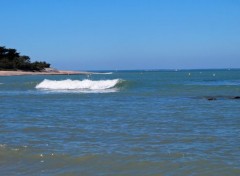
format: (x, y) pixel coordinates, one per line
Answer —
(144, 122)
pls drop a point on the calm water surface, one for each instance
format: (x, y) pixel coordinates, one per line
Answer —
(124, 123)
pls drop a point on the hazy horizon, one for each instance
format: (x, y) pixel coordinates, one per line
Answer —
(164, 69)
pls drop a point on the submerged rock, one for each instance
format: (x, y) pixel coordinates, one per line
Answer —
(211, 98)
(222, 98)
(237, 97)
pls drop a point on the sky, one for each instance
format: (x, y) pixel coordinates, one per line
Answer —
(124, 34)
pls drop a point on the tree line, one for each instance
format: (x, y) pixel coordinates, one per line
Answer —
(10, 59)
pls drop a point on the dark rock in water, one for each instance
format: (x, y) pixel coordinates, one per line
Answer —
(237, 97)
(211, 98)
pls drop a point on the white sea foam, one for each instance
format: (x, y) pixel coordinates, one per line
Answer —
(85, 85)
(106, 73)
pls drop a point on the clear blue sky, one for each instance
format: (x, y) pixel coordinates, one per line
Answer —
(124, 34)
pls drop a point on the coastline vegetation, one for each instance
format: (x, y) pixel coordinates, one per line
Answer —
(10, 60)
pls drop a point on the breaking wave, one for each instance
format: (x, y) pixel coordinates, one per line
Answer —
(105, 73)
(85, 85)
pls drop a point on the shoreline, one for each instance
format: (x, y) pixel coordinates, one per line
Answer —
(57, 72)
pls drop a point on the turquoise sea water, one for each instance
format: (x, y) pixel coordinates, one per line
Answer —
(124, 123)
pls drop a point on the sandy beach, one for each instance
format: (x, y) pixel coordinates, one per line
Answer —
(57, 72)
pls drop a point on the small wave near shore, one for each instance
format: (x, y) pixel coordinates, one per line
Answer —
(79, 85)
(100, 73)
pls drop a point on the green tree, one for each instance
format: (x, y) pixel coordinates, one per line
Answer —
(10, 59)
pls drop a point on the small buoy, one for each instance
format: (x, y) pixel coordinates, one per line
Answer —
(214, 74)
(41, 155)
(189, 74)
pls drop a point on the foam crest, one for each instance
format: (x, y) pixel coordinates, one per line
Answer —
(78, 84)
(106, 73)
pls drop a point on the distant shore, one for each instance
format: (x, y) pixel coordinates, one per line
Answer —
(55, 72)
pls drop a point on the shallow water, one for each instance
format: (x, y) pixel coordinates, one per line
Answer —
(149, 123)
